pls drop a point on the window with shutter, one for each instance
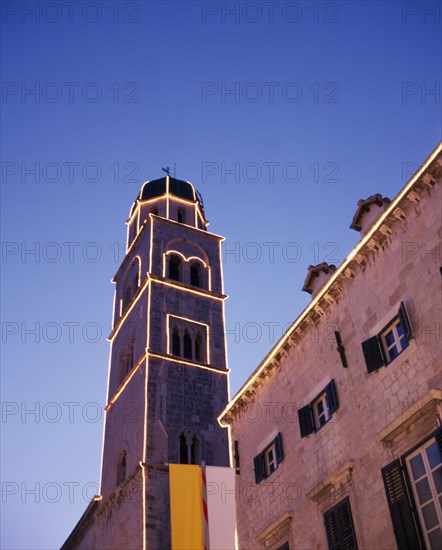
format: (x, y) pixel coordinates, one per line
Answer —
(267, 461)
(339, 527)
(383, 348)
(314, 416)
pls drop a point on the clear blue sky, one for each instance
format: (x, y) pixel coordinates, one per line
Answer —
(283, 116)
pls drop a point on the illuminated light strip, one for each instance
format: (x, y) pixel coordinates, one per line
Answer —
(105, 412)
(252, 379)
(195, 215)
(121, 320)
(125, 382)
(144, 480)
(152, 217)
(128, 251)
(168, 315)
(182, 361)
(207, 293)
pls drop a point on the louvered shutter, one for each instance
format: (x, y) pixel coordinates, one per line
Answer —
(372, 354)
(400, 510)
(339, 527)
(405, 321)
(438, 436)
(332, 397)
(260, 471)
(279, 448)
(305, 421)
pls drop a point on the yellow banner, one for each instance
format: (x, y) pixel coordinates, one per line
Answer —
(186, 507)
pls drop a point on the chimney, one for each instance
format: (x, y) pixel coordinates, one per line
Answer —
(317, 276)
(368, 212)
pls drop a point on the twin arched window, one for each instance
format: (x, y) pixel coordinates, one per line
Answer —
(176, 270)
(130, 286)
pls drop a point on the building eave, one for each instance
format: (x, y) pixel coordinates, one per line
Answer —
(427, 175)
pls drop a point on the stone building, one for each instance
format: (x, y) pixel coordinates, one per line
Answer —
(336, 436)
(168, 372)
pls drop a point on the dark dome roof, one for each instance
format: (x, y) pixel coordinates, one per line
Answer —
(179, 188)
(156, 188)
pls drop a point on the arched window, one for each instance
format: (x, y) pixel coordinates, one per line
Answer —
(174, 267)
(198, 347)
(195, 274)
(176, 344)
(195, 451)
(121, 468)
(184, 459)
(181, 217)
(127, 297)
(127, 360)
(190, 448)
(187, 345)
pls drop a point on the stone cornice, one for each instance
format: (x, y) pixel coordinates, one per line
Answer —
(427, 177)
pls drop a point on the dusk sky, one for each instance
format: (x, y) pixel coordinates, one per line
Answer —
(282, 114)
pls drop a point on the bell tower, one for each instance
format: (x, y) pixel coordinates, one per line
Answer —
(168, 371)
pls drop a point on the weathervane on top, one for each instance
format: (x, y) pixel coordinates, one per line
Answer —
(167, 170)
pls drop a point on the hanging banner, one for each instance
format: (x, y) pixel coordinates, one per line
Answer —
(186, 507)
(221, 507)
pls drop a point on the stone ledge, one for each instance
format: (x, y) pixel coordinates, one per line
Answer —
(410, 415)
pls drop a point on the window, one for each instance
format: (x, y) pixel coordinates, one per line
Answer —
(187, 339)
(174, 268)
(121, 468)
(267, 461)
(154, 211)
(425, 473)
(187, 345)
(176, 343)
(190, 448)
(195, 274)
(198, 346)
(339, 528)
(317, 413)
(285, 546)
(382, 349)
(127, 360)
(181, 217)
(127, 297)
(413, 485)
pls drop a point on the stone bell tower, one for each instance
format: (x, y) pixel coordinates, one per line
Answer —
(168, 371)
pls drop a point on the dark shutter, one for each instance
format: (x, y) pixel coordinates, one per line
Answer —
(438, 436)
(305, 421)
(332, 397)
(341, 349)
(339, 527)
(279, 448)
(260, 470)
(405, 321)
(372, 354)
(236, 456)
(400, 509)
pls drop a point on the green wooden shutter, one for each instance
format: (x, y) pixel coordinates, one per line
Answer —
(260, 470)
(305, 421)
(339, 527)
(400, 510)
(332, 397)
(373, 354)
(279, 448)
(405, 321)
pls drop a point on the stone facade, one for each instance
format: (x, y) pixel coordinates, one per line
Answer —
(346, 411)
(168, 369)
